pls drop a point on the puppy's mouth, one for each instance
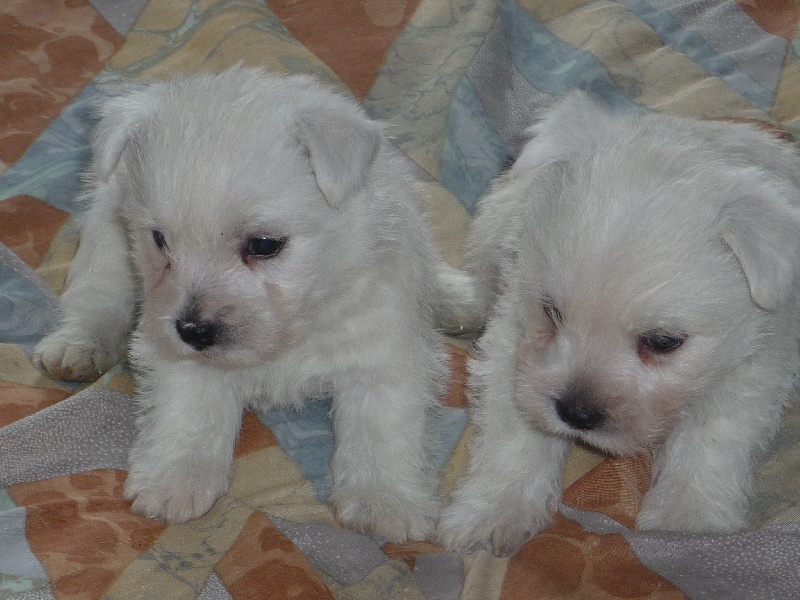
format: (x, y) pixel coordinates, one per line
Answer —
(598, 426)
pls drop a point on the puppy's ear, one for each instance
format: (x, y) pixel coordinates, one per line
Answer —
(568, 129)
(341, 146)
(763, 230)
(121, 113)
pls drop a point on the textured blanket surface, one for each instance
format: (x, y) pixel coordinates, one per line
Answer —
(457, 81)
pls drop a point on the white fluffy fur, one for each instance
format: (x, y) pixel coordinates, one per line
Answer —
(612, 226)
(347, 307)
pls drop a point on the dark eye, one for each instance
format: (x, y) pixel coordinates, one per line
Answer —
(659, 341)
(264, 247)
(159, 239)
(552, 312)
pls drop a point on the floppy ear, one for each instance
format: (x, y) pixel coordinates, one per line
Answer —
(341, 146)
(121, 112)
(763, 230)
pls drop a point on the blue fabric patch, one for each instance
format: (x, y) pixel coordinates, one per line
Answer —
(50, 169)
(550, 64)
(695, 47)
(20, 570)
(473, 152)
(25, 314)
(307, 436)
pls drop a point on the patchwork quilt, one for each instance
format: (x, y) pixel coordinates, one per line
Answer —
(458, 81)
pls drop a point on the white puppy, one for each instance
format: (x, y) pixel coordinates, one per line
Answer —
(267, 235)
(642, 271)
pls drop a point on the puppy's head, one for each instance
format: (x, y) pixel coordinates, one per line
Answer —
(240, 196)
(651, 263)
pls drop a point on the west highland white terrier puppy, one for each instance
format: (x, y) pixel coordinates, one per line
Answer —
(641, 271)
(261, 236)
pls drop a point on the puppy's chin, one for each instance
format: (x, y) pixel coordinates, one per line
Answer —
(621, 435)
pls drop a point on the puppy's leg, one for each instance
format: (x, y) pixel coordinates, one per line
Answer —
(97, 307)
(704, 474)
(514, 478)
(512, 485)
(382, 482)
(181, 460)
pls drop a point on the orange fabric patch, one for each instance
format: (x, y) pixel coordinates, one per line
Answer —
(20, 401)
(350, 36)
(778, 17)
(28, 226)
(50, 50)
(409, 552)
(457, 394)
(81, 529)
(254, 436)
(615, 487)
(263, 563)
(565, 561)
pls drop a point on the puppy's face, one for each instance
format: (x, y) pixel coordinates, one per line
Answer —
(237, 208)
(631, 307)
(229, 268)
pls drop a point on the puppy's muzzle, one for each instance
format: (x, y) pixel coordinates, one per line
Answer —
(579, 414)
(199, 334)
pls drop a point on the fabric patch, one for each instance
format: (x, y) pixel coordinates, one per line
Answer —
(17, 562)
(80, 528)
(262, 557)
(93, 429)
(50, 169)
(713, 38)
(615, 487)
(344, 555)
(566, 561)
(350, 37)
(28, 226)
(20, 401)
(50, 51)
(473, 153)
(25, 312)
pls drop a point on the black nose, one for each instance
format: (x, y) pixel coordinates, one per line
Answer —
(578, 415)
(198, 334)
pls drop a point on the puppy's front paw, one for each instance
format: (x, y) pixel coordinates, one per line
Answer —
(72, 354)
(175, 495)
(691, 511)
(483, 517)
(398, 517)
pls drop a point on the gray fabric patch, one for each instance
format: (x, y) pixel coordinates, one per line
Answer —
(751, 565)
(439, 576)
(757, 564)
(92, 430)
(214, 589)
(593, 522)
(511, 103)
(120, 14)
(43, 594)
(346, 556)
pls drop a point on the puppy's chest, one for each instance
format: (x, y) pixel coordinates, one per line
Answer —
(287, 382)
